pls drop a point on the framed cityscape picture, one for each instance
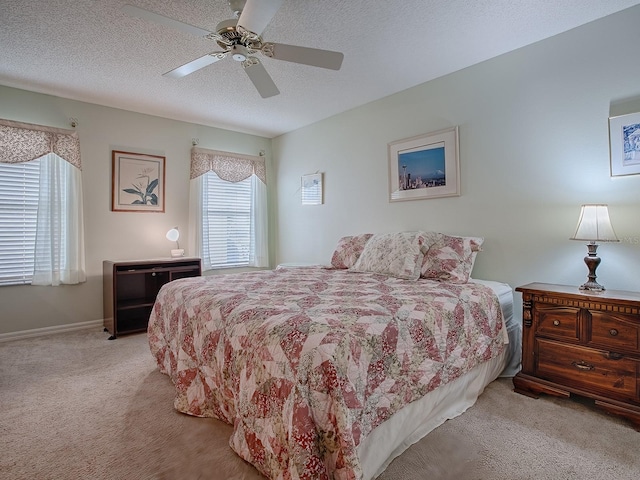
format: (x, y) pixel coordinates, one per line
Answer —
(426, 166)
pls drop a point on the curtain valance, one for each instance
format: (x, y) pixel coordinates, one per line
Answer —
(232, 167)
(23, 142)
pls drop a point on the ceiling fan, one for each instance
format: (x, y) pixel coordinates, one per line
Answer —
(240, 38)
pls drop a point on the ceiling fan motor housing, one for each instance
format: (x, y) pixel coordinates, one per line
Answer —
(230, 35)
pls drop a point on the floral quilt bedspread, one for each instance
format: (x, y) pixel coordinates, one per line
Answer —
(305, 362)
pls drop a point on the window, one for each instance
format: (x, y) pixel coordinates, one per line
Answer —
(18, 211)
(226, 222)
(230, 204)
(41, 222)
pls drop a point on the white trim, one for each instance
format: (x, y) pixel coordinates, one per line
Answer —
(38, 332)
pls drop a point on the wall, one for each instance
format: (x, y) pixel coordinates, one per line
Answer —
(112, 235)
(534, 146)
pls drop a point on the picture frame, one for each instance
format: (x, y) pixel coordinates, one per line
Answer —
(425, 166)
(311, 188)
(137, 182)
(624, 144)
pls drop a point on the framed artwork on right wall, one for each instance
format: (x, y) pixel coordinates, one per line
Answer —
(624, 144)
(426, 166)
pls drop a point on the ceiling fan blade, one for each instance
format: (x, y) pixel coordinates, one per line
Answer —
(194, 65)
(169, 22)
(305, 55)
(257, 14)
(261, 78)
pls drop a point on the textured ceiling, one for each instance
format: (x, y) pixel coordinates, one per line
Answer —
(89, 50)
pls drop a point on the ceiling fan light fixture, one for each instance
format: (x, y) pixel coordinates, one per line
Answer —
(239, 53)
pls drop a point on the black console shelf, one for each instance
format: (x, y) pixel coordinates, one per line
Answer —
(130, 289)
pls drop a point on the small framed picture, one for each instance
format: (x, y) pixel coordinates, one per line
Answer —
(624, 144)
(137, 182)
(312, 189)
(426, 166)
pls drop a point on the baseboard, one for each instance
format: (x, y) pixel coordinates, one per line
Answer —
(37, 332)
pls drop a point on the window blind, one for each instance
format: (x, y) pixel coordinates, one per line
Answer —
(226, 222)
(19, 190)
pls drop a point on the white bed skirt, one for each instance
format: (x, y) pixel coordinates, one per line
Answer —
(416, 420)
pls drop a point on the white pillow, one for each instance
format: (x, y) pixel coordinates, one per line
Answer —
(395, 254)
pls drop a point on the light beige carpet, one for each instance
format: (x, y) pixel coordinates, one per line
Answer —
(78, 406)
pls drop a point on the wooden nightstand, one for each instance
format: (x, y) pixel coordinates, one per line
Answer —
(584, 343)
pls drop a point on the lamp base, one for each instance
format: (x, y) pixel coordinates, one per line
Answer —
(592, 287)
(177, 252)
(592, 260)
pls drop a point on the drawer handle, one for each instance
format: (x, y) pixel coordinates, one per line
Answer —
(581, 365)
(556, 322)
(613, 332)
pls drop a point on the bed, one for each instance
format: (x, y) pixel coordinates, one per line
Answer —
(329, 372)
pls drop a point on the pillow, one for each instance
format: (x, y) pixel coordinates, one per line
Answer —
(348, 250)
(395, 254)
(449, 258)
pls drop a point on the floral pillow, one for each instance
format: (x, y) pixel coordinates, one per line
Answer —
(348, 250)
(449, 258)
(394, 254)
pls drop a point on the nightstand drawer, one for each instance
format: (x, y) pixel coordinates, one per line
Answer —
(588, 368)
(615, 332)
(558, 321)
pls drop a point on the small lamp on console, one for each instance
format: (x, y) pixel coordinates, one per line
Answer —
(594, 226)
(173, 235)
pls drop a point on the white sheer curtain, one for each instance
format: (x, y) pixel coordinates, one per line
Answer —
(197, 219)
(59, 252)
(59, 248)
(260, 252)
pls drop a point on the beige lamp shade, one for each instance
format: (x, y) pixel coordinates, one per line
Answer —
(594, 225)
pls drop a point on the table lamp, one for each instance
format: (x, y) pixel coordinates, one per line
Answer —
(594, 226)
(173, 235)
